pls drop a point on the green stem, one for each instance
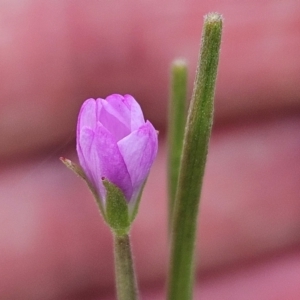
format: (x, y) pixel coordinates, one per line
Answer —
(198, 130)
(176, 124)
(125, 276)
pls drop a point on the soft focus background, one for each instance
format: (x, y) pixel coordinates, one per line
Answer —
(55, 54)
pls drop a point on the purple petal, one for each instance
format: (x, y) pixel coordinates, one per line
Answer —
(139, 150)
(87, 115)
(108, 162)
(86, 119)
(137, 117)
(99, 108)
(115, 116)
(84, 147)
(116, 106)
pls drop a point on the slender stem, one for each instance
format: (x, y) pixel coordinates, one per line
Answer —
(125, 276)
(198, 130)
(177, 118)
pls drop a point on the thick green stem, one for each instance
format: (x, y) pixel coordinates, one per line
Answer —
(125, 276)
(198, 130)
(176, 125)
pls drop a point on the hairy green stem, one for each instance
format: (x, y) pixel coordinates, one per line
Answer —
(125, 277)
(197, 134)
(176, 125)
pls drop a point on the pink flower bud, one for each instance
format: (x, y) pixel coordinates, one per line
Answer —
(114, 142)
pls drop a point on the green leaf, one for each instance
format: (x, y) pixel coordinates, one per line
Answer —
(116, 209)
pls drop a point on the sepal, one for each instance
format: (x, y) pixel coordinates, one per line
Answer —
(117, 212)
(116, 209)
(79, 172)
(73, 167)
(133, 208)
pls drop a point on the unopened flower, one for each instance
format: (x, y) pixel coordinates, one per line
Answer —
(116, 144)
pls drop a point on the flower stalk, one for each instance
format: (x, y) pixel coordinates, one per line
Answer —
(197, 135)
(126, 284)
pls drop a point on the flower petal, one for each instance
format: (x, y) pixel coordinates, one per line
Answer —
(87, 115)
(139, 150)
(86, 120)
(115, 116)
(99, 108)
(108, 162)
(116, 106)
(84, 146)
(137, 117)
